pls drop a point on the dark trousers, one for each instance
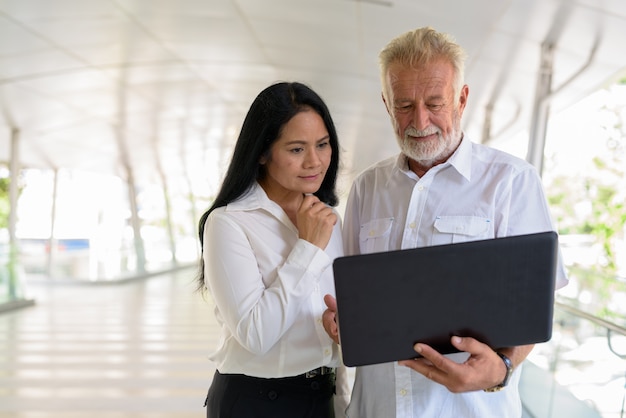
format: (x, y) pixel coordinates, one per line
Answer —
(240, 396)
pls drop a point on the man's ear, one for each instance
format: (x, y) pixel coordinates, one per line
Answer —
(463, 99)
(382, 95)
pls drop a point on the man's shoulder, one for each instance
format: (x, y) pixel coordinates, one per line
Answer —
(490, 155)
(381, 167)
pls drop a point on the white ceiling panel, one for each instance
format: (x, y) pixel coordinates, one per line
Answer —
(91, 84)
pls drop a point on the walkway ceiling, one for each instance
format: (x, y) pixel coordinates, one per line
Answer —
(103, 85)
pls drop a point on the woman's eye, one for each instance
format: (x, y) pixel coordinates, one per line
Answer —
(323, 144)
(296, 150)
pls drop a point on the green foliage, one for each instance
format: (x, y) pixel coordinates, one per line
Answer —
(4, 201)
(591, 202)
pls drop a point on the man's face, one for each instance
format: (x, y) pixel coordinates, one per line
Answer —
(425, 115)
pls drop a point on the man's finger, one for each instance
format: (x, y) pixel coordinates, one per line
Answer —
(330, 302)
(435, 358)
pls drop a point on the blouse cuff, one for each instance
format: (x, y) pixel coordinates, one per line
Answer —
(309, 257)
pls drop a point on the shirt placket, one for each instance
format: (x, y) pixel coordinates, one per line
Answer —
(415, 211)
(404, 391)
(419, 195)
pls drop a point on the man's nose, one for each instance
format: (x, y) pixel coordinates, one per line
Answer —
(421, 118)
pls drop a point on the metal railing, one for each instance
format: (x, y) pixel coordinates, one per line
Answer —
(580, 372)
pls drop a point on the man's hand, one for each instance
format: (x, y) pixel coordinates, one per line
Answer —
(329, 318)
(483, 369)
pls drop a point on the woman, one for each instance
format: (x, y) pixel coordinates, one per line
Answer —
(268, 241)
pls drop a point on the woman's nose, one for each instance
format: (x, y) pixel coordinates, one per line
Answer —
(312, 159)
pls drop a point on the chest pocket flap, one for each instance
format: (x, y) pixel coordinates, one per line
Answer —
(462, 225)
(376, 228)
(374, 235)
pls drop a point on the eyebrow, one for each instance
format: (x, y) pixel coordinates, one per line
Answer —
(300, 141)
(431, 97)
(436, 97)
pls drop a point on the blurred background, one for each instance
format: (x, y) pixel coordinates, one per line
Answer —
(117, 121)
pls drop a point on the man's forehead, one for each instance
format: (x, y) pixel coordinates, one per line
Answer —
(435, 72)
(425, 84)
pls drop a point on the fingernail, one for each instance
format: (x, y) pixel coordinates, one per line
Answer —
(457, 340)
(418, 347)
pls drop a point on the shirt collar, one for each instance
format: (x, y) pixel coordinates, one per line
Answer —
(461, 160)
(255, 198)
(402, 165)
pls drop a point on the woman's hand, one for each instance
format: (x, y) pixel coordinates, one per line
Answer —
(315, 221)
(329, 318)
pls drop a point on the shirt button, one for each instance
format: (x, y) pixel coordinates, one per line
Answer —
(459, 229)
(402, 392)
(412, 225)
(327, 352)
(372, 233)
(420, 188)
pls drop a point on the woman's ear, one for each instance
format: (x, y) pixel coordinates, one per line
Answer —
(263, 159)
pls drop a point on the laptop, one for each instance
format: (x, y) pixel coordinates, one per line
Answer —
(499, 291)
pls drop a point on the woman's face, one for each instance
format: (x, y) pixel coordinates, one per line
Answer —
(299, 159)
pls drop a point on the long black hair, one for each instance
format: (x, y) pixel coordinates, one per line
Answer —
(268, 114)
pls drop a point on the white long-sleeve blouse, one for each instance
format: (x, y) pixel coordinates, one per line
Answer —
(268, 287)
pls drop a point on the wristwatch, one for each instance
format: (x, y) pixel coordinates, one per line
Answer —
(509, 372)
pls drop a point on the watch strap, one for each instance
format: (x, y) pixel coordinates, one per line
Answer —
(509, 371)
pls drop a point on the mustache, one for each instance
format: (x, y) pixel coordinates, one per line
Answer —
(410, 131)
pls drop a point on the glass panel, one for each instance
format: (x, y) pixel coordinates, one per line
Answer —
(580, 372)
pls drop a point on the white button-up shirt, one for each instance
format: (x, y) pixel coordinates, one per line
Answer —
(479, 193)
(268, 286)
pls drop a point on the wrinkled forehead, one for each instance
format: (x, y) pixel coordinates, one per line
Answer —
(435, 77)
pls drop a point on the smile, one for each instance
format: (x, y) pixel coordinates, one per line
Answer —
(422, 138)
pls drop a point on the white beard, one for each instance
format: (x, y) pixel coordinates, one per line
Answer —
(428, 153)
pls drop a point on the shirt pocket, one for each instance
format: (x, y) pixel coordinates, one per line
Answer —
(455, 229)
(374, 235)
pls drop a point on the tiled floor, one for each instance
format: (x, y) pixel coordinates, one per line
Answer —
(127, 350)
(135, 349)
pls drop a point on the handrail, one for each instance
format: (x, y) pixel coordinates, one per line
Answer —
(596, 320)
(610, 328)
